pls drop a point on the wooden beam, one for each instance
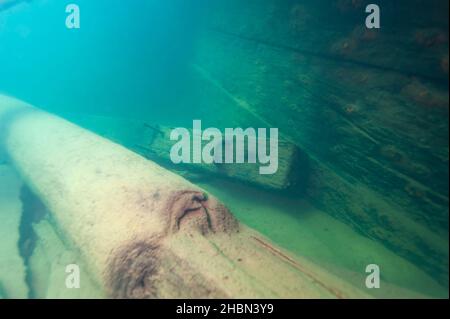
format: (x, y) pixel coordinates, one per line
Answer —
(143, 231)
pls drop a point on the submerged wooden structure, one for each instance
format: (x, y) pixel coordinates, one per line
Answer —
(153, 142)
(368, 107)
(287, 176)
(12, 266)
(141, 230)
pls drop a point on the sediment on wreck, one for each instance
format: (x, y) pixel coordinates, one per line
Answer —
(143, 231)
(153, 142)
(368, 107)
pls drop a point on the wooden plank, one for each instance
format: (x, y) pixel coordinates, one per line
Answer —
(334, 121)
(348, 141)
(157, 144)
(153, 142)
(335, 30)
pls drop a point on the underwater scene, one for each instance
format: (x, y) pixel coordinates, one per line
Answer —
(224, 149)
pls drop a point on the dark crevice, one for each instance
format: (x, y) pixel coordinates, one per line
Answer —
(33, 210)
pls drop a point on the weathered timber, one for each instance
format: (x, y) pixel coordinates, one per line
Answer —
(287, 175)
(153, 141)
(142, 230)
(369, 133)
(335, 30)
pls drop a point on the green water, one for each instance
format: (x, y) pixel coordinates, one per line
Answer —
(368, 110)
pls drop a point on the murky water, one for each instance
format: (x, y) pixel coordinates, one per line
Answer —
(362, 117)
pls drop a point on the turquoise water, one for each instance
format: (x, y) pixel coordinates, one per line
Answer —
(123, 61)
(366, 111)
